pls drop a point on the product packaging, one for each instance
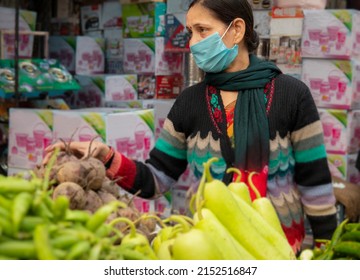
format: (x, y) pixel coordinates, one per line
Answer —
(90, 55)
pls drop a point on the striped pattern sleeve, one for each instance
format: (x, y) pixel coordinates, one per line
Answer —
(312, 172)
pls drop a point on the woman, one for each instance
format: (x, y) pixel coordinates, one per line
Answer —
(247, 114)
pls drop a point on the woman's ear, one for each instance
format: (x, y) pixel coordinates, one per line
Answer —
(240, 27)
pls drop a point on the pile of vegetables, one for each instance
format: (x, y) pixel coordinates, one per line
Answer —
(225, 225)
(344, 244)
(42, 222)
(34, 225)
(83, 180)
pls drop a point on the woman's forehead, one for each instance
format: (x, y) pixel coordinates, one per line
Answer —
(199, 15)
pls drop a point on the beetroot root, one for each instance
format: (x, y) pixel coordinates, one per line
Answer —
(74, 192)
(92, 201)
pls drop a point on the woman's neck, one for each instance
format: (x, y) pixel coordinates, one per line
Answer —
(241, 62)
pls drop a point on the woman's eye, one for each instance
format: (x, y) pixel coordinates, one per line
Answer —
(202, 30)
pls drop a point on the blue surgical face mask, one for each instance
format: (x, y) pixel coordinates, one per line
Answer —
(212, 55)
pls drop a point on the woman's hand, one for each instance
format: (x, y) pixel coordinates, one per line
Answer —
(98, 150)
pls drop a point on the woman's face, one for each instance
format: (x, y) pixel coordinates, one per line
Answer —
(200, 23)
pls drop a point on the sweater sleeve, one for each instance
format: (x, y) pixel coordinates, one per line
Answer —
(167, 160)
(312, 173)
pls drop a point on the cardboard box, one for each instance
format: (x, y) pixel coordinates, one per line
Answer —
(130, 132)
(63, 48)
(333, 83)
(27, 22)
(331, 34)
(91, 17)
(114, 66)
(169, 87)
(161, 111)
(143, 19)
(285, 35)
(90, 55)
(353, 174)
(111, 14)
(166, 63)
(37, 78)
(114, 43)
(341, 130)
(176, 35)
(30, 131)
(68, 26)
(146, 86)
(337, 165)
(139, 55)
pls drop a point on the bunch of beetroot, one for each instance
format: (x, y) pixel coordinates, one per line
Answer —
(83, 180)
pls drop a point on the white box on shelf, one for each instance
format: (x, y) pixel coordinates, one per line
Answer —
(130, 132)
(333, 83)
(90, 56)
(139, 55)
(331, 34)
(63, 48)
(111, 14)
(341, 130)
(91, 17)
(30, 131)
(27, 22)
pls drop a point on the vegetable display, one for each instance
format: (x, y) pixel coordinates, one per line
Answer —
(37, 224)
(343, 245)
(43, 218)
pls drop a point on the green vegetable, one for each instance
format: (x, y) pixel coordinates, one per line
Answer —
(348, 249)
(42, 243)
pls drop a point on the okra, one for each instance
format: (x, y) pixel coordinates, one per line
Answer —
(42, 243)
(24, 250)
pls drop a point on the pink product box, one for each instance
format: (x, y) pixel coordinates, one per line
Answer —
(27, 22)
(30, 132)
(63, 49)
(354, 131)
(166, 63)
(91, 92)
(338, 165)
(161, 110)
(77, 125)
(353, 175)
(139, 55)
(90, 56)
(176, 35)
(331, 34)
(120, 87)
(333, 83)
(337, 126)
(132, 132)
(163, 205)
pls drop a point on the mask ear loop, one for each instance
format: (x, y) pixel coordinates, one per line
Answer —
(227, 29)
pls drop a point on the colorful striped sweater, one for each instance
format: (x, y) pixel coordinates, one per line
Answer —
(299, 180)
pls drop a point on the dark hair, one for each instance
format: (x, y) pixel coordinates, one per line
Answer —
(227, 10)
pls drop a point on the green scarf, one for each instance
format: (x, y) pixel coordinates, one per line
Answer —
(251, 128)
